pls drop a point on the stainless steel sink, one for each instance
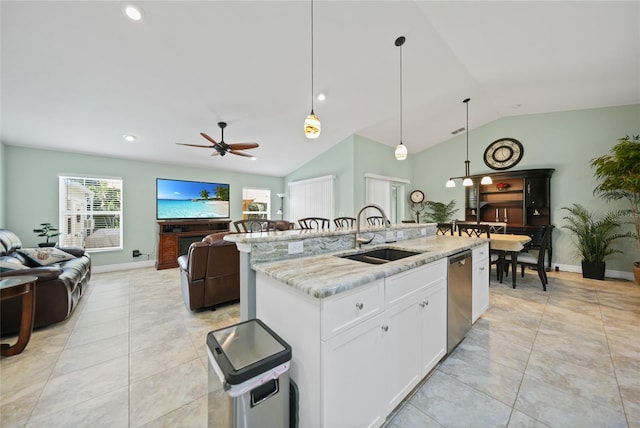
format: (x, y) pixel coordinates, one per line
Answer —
(380, 255)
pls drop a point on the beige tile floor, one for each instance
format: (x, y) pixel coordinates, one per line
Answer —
(132, 355)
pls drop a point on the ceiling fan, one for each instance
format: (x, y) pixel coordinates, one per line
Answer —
(221, 148)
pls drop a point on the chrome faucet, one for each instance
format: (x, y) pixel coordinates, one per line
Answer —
(360, 240)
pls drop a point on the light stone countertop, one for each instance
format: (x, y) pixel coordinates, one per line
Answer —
(325, 275)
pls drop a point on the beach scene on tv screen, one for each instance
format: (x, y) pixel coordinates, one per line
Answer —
(192, 199)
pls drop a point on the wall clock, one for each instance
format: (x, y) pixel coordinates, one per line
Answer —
(416, 196)
(503, 153)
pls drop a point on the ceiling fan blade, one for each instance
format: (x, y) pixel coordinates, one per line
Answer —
(243, 146)
(209, 138)
(240, 153)
(195, 145)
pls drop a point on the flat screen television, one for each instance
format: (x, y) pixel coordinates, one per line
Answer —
(190, 200)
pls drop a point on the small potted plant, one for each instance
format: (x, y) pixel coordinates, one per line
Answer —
(620, 175)
(595, 237)
(49, 231)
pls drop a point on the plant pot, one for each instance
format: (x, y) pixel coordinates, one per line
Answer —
(593, 270)
(636, 272)
(46, 244)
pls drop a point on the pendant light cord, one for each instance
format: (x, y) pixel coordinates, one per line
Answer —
(400, 94)
(311, 56)
(466, 101)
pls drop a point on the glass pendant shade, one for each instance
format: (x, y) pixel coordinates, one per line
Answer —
(467, 182)
(401, 152)
(486, 180)
(450, 183)
(312, 126)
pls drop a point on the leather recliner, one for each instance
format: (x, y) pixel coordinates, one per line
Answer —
(210, 272)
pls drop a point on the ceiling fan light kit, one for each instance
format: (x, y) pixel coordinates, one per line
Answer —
(312, 126)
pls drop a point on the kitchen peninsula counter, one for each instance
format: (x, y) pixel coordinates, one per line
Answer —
(328, 274)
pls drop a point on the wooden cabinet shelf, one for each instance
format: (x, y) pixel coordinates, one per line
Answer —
(174, 238)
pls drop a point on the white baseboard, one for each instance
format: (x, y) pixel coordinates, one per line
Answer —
(123, 266)
(607, 273)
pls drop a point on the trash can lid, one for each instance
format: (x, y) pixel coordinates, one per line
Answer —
(247, 349)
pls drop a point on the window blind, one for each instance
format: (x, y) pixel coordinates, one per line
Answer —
(91, 212)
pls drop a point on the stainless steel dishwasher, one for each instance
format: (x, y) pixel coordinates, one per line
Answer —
(459, 298)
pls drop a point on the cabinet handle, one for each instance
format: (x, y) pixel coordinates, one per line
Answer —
(385, 328)
(424, 304)
(359, 306)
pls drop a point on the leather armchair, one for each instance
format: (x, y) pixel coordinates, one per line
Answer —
(210, 272)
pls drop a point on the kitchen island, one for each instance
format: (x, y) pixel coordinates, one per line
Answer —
(363, 335)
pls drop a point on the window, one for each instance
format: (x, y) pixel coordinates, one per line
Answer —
(91, 212)
(256, 203)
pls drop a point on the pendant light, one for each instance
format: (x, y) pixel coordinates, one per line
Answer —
(312, 125)
(467, 175)
(401, 149)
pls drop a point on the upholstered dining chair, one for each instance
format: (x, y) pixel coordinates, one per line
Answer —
(344, 222)
(526, 259)
(317, 223)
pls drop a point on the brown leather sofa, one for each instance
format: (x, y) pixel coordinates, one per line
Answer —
(58, 288)
(210, 272)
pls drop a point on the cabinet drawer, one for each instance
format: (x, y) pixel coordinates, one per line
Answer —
(403, 285)
(480, 253)
(342, 312)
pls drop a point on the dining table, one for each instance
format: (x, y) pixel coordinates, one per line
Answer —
(508, 244)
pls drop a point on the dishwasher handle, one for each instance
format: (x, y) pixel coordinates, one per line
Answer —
(460, 257)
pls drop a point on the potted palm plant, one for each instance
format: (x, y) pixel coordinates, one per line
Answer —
(440, 212)
(620, 175)
(49, 231)
(595, 237)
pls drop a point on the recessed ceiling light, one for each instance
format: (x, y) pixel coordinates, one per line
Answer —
(254, 158)
(133, 13)
(129, 138)
(321, 97)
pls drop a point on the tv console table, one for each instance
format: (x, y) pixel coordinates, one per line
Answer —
(175, 236)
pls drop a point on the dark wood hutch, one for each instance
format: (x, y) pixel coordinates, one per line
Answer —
(521, 198)
(175, 236)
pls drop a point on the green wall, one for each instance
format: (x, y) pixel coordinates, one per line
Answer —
(566, 141)
(3, 184)
(338, 161)
(32, 196)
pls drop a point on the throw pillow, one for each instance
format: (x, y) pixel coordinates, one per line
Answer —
(46, 255)
(8, 264)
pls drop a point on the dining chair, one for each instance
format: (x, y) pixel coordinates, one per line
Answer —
(344, 222)
(376, 220)
(317, 223)
(255, 225)
(445, 229)
(474, 230)
(496, 226)
(526, 259)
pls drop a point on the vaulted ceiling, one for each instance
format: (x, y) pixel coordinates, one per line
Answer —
(76, 76)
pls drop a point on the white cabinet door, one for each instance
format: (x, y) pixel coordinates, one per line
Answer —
(352, 376)
(433, 314)
(401, 368)
(480, 279)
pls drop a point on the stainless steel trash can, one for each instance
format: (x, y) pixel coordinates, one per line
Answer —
(248, 377)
